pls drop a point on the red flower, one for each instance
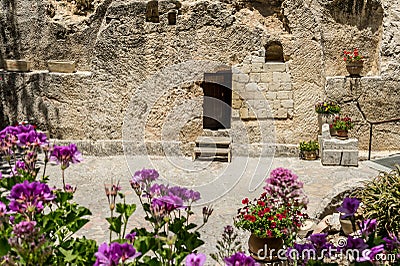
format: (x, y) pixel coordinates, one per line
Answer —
(273, 225)
(269, 233)
(261, 203)
(266, 210)
(260, 213)
(245, 201)
(271, 218)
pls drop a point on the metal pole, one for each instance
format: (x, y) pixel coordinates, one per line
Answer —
(370, 142)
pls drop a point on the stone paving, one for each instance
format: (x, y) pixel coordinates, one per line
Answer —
(223, 185)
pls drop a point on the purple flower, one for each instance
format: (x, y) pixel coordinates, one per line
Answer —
(392, 242)
(195, 259)
(355, 244)
(228, 230)
(32, 138)
(285, 186)
(1, 176)
(3, 209)
(144, 178)
(349, 207)
(30, 197)
(318, 240)
(19, 166)
(65, 155)
(24, 229)
(131, 237)
(166, 204)
(111, 255)
(241, 259)
(368, 227)
(69, 188)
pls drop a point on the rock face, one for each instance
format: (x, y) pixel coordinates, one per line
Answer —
(285, 56)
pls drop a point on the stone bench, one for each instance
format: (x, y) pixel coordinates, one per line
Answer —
(336, 151)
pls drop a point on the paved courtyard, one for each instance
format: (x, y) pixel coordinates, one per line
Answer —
(221, 184)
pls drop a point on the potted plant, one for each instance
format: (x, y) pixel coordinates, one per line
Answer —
(275, 217)
(326, 113)
(309, 150)
(342, 125)
(354, 62)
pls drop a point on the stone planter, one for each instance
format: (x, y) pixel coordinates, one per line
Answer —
(265, 249)
(325, 119)
(17, 65)
(309, 155)
(61, 66)
(355, 68)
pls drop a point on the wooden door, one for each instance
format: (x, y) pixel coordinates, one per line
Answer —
(217, 100)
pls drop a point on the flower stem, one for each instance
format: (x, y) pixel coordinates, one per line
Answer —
(63, 179)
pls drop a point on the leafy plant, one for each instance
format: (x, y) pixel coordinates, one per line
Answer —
(278, 211)
(227, 246)
(327, 108)
(381, 199)
(342, 123)
(309, 146)
(353, 56)
(168, 209)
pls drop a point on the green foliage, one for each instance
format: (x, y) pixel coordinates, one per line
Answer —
(227, 246)
(381, 199)
(342, 123)
(327, 108)
(309, 146)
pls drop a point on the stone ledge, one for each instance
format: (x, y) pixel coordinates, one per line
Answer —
(340, 157)
(41, 72)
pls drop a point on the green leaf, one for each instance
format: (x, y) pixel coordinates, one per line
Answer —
(4, 246)
(115, 224)
(68, 255)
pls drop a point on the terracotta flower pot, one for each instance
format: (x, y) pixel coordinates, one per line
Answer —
(309, 155)
(355, 68)
(264, 249)
(342, 134)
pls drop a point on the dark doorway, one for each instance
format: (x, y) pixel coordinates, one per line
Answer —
(217, 103)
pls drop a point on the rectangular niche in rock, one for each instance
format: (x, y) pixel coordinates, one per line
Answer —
(61, 66)
(17, 65)
(152, 14)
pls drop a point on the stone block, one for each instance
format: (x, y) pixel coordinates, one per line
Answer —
(237, 86)
(274, 87)
(326, 132)
(263, 86)
(257, 104)
(235, 95)
(276, 67)
(264, 113)
(286, 86)
(61, 66)
(255, 77)
(281, 77)
(256, 67)
(338, 144)
(284, 95)
(235, 113)
(271, 95)
(236, 103)
(266, 77)
(243, 78)
(235, 77)
(244, 113)
(249, 95)
(251, 87)
(340, 157)
(245, 69)
(290, 113)
(287, 103)
(280, 113)
(257, 59)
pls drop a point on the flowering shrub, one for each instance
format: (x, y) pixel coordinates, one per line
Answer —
(353, 56)
(327, 108)
(342, 123)
(168, 209)
(278, 211)
(311, 145)
(37, 222)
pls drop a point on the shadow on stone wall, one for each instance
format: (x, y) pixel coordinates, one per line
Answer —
(360, 13)
(9, 33)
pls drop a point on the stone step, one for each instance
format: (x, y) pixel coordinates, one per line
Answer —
(211, 152)
(205, 141)
(216, 133)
